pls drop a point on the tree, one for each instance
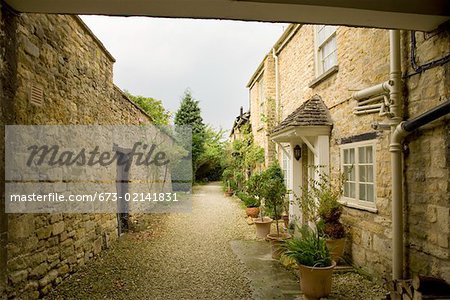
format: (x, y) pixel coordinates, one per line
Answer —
(241, 159)
(153, 107)
(210, 163)
(189, 114)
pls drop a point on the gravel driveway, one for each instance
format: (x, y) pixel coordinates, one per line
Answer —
(182, 256)
(190, 256)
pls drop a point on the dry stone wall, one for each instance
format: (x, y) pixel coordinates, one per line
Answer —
(58, 54)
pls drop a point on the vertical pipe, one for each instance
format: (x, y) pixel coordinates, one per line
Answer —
(395, 74)
(277, 99)
(396, 156)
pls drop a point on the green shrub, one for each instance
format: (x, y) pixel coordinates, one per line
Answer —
(248, 200)
(308, 249)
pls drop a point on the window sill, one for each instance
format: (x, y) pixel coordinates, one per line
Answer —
(354, 205)
(323, 76)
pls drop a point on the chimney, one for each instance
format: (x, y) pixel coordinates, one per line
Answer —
(242, 111)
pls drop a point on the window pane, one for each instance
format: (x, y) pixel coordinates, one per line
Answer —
(352, 190)
(362, 174)
(347, 189)
(370, 193)
(362, 192)
(346, 156)
(369, 154)
(349, 173)
(362, 155)
(369, 173)
(324, 32)
(351, 156)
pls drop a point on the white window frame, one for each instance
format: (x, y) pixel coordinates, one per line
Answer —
(356, 202)
(319, 46)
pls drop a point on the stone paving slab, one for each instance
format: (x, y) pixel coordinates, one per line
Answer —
(269, 279)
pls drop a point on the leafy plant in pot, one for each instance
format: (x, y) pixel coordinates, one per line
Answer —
(310, 252)
(227, 177)
(274, 192)
(321, 200)
(255, 189)
(251, 203)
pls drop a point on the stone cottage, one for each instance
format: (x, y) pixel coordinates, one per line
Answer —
(336, 93)
(53, 70)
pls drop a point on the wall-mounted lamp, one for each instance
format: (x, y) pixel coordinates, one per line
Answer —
(297, 152)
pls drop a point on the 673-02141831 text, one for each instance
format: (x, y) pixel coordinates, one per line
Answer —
(102, 197)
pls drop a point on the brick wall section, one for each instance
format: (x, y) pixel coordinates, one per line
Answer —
(363, 60)
(59, 53)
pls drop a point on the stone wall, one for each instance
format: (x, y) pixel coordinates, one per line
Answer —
(60, 55)
(262, 118)
(363, 61)
(427, 160)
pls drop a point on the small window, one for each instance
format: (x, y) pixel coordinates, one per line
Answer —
(326, 48)
(287, 166)
(358, 166)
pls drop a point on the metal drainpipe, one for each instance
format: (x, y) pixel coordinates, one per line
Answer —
(277, 104)
(275, 58)
(395, 148)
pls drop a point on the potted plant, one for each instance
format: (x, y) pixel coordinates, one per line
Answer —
(227, 177)
(255, 188)
(330, 211)
(251, 204)
(310, 252)
(274, 193)
(320, 203)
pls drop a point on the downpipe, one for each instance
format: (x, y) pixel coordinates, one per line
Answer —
(395, 148)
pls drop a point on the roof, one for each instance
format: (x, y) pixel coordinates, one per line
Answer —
(277, 47)
(313, 112)
(240, 120)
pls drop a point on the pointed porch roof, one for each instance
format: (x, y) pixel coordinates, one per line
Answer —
(313, 112)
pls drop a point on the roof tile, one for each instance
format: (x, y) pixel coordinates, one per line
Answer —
(313, 112)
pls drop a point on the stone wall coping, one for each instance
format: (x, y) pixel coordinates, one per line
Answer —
(94, 37)
(132, 102)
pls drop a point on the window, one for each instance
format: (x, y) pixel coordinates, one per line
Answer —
(287, 166)
(326, 50)
(358, 166)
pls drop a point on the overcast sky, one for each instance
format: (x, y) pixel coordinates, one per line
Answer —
(160, 58)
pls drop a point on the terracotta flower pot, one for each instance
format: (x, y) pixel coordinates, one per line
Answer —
(277, 242)
(252, 211)
(262, 227)
(229, 193)
(315, 282)
(286, 221)
(336, 248)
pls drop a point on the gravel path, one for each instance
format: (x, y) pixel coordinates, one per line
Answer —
(189, 256)
(182, 256)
